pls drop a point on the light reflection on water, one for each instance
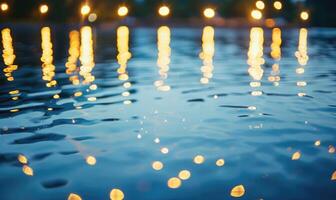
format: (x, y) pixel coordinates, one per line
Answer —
(101, 129)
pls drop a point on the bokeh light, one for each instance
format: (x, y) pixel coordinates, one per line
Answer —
(260, 5)
(209, 13)
(92, 17)
(256, 14)
(44, 9)
(304, 15)
(122, 11)
(85, 9)
(4, 7)
(277, 5)
(164, 11)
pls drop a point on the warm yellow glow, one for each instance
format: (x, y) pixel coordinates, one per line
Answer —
(22, 159)
(164, 150)
(256, 14)
(304, 15)
(44, 9)
(8, 54)
(277, 5)
(333, 176)
(163, 60)
(85, 9)
(317, 143)
(184, 175)
(208, 51)
(122, 11)
(86, 55)
(220, 162)
(260, 5)
(209, 13)
(123, 51)
(73, 196)
(48, 68)
(301, 53)
(27, 170)
(276, 44)
(116, 194)
(91, 160)
(174, 183)
(296, 155)
(4, 7)
(157, 165)
(92, 17)
(238, 191)
(331, 149)
(199, 159)
(164, 11)
(255, 58)
(71, 64)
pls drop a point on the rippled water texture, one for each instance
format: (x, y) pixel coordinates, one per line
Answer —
(167, 113)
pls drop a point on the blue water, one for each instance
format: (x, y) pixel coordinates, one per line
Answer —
(172, 92)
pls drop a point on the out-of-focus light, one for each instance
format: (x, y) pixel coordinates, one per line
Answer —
(4, 7)
(270, 23)
(122, 11)
(92, 17)
(260, 5)
(304, 15)
(277, 5)
(44, 9)
(164, 11)
(256, 14)
(209, 13)
(85, 9)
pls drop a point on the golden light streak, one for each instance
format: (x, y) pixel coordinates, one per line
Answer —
(164, 11)
(122, 11)
(302, 57)
(163, 60)
(48, 68)
(208, 51)
(209, 13)
(276, 55)
(86, 55)
(74, 51)
(8, 54)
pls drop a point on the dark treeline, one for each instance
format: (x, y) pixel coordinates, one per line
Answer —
(322, 11)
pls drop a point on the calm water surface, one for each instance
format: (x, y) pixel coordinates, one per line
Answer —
(87, 110)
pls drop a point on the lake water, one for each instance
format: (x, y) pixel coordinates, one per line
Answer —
(167, 113)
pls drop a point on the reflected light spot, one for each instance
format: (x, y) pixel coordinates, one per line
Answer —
(317, 143)
(220, 162)
(127, 102)
(116, 194)
(164, 150)
(238, 191)
(157, 165)
(73, 196)
(333, 176)
(296, 155)
(90, 160)
(331, 149)
(122, 11)
(127, 85)
(93, 87)
(209, 13)
(199, 159)
(174, 183)
(92, 99)
(78, 94)
(157, 140)
(22, 159)
(184, 174)
(56, 96)
(27, 170)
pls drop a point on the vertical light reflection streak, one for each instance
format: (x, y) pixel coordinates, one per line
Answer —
(48, 68)
(276, 55)
(8, 54)
(86, 55)
(208, 51)
(123, 56)
(255, 59)
(74, 52)
(302, 57)
(163, 61)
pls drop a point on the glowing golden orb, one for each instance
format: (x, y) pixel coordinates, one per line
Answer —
(304, 15)
(122, 11)
(44, 9)
(85, 9)
(256, 14)
(260, 5)
(209, 13)
(164, 11)
(4, 7)
(277, 5)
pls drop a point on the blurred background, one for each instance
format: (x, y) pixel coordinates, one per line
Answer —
(226, 12)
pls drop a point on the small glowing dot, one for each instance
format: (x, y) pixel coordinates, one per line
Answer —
(44, 9)
(78, 94)
(174, 183)
(209, 13)
(199, 159)
(164, 11)
(252, 108)
(127, 85)
(296, 155)
(92, 99)
(317, 143)
(238, 191)
(157, 140)
(331, 149)
(260, 5)
(27, 170)
(157, 165)
(127, 102)
(4, 6)
(73, 196)
(164, 150)
(90, 160)
(277, 5)
(122, 11)
(85, 9)
(184, 174)
(93, 87)
(56, 96)
(304, 15)
(220, 162)
(92, 17)
(22, 159)
(256, 14)
(116, 194)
